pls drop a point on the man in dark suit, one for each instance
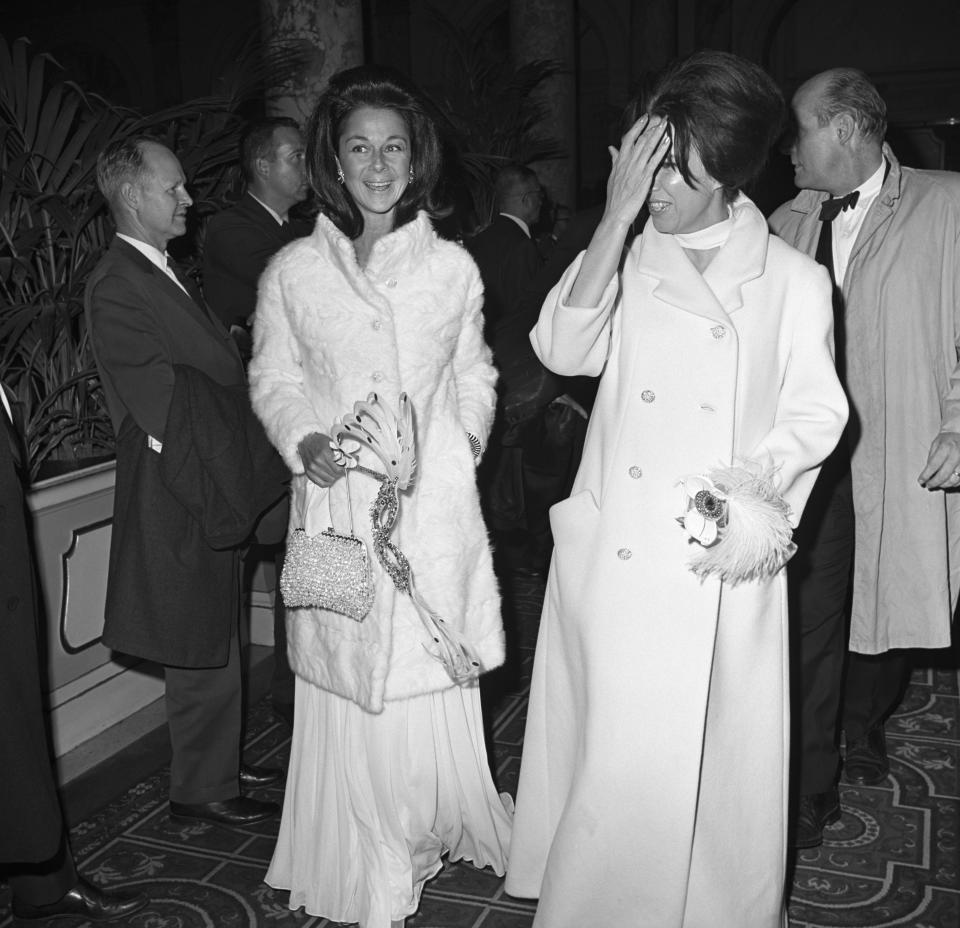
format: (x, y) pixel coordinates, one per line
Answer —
(239, 242)
(143, 321)
(505, 251)
(35, 857)
(509, 262)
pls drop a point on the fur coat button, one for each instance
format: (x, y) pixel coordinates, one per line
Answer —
(648, 396)
(624, 554)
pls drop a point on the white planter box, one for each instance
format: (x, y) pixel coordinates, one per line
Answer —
(89, 690)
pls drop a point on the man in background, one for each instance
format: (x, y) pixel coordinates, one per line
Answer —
(241, 239)
(171, 598)
(886, 500)
(239, 242)
(505, 250)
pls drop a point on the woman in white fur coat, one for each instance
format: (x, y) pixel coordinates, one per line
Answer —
(653, 783)
(388, 768)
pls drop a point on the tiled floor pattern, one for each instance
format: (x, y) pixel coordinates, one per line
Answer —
(893, 859)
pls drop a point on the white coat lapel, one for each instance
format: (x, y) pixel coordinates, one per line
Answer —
(719, 291)
(742, 258)
(677, 281)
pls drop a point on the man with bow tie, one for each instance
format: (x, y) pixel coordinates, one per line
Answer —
(145, 322)
(880, 535)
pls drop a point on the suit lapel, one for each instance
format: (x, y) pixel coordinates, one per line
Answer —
(256, 212)
(196, 309)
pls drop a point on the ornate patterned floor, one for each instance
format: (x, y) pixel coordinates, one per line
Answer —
(892, 860)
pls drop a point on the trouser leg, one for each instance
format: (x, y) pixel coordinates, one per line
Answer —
(204, 714)
(819, 582)
(41, 883)
(875, 684)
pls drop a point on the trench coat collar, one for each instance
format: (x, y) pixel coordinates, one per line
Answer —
(809, 201)
(718, 291)
(879, 215)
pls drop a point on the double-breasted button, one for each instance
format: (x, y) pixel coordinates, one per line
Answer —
(635, 472)
(376, 324)
(718, 331)
(648, 396)
(377, 376)
(391, 282)
(624, 554)
(12, 602)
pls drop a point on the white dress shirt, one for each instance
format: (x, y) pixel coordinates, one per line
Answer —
(154, 256)
(846, 227)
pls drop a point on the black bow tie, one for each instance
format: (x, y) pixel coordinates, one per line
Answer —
(832, 208)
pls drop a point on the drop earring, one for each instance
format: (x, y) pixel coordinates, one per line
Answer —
(340, 176)
(411, 174)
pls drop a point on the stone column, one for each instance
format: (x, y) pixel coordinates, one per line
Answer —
(542, 29)
(330, 35)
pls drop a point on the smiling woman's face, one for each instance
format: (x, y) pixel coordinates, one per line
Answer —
(675, 206)
(374, 154)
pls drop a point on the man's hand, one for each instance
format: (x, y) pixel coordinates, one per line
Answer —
(943, 463)
(319, 461)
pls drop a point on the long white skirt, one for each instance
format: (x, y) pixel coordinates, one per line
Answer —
(373, 801)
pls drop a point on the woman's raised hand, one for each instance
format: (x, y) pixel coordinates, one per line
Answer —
(319, 461)
(635, 164)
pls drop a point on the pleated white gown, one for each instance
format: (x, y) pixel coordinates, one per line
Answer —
(373, 802)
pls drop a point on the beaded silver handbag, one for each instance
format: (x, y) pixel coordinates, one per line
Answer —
(328, 571)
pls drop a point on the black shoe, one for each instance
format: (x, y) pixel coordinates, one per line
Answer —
(84, 901)
(865, 762)
(251, 776)
(284, 712)
(814, 813)
(234, 813)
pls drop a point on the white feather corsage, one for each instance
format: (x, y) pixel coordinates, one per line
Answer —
(738, 523)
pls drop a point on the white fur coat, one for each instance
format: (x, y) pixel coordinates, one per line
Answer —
(326, 334)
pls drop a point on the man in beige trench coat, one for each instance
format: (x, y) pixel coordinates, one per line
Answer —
(896, 262)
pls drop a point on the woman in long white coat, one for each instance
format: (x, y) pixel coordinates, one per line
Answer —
(653, 784)
(388, 769)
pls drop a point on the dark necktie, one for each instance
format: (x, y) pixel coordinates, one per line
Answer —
(829, 211)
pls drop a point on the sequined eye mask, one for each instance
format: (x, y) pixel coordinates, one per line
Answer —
(391, 438)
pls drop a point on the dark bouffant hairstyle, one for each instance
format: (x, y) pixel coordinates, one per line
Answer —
(257, 142)
(727, 108)
(380, 88)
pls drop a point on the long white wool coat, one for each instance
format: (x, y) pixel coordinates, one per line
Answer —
(653, 784)
(326, 334)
